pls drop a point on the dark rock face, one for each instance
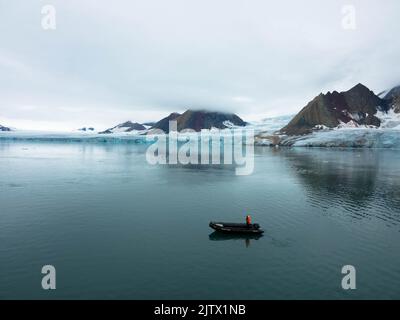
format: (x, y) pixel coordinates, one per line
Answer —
(393, 99)
(108, 131)
(4, 128)
(132, 126)
(200, 119)
(359, 105)
(86, 129)
(125, 127)
(163, 124)
(396, 105)
(151, 124)
(394, 93)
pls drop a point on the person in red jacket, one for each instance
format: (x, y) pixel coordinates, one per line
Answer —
(248, 220)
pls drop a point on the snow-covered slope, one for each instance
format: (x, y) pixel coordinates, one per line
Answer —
(127, 126)
(386, 136)
(2, 128)
(389, 120)
(353, 131)
(353, 135)
(271, 124)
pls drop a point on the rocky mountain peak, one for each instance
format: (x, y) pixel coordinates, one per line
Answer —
(2, 128)
(357, 106)
(127, 126)
(393, 98)
(200, 119)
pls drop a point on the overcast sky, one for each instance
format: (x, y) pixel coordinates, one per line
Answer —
(112, 61)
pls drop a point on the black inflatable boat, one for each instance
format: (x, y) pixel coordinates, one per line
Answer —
(242, 228)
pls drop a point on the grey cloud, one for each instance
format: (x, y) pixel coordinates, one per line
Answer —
(143, 59)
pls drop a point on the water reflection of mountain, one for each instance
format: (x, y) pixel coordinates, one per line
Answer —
(361, 182)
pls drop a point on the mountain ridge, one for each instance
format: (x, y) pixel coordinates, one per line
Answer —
(200, 119)
(393, 98)
(3, 128)
(127, 126)
(357, 106)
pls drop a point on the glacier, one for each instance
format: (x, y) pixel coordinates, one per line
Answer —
(347, 138)
(46, 136)
(343, 136)
(351, 135)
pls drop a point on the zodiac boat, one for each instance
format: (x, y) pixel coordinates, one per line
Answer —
(242, 228)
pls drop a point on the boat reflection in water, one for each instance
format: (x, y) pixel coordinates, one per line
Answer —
(219, 236)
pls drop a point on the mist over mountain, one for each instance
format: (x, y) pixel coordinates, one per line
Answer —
(200, 119)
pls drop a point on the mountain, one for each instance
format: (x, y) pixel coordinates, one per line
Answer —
(150, 124)
(200, 119)
(86, 129)
(125, 127)
(4, 128)
(354, 107)
(393, 98)
(163, 124)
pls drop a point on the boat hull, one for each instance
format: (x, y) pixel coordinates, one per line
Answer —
(238, 228)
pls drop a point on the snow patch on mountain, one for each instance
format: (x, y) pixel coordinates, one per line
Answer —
(128, 126)
(389, 120)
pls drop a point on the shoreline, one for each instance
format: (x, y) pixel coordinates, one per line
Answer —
(340, 138)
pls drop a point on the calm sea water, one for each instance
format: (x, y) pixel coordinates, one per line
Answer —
(117, 227)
